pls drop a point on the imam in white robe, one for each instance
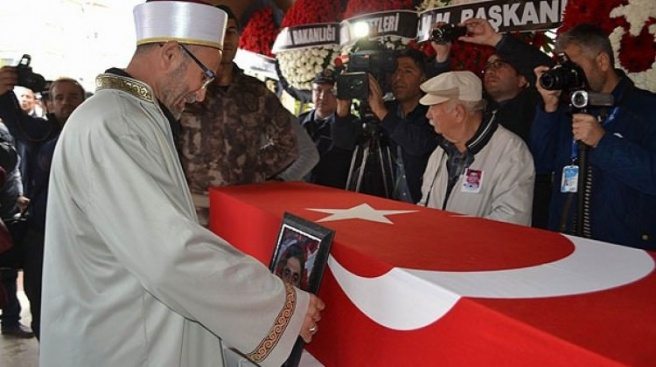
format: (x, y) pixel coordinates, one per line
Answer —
(130, 278)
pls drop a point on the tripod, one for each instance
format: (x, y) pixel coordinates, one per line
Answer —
(371, 169)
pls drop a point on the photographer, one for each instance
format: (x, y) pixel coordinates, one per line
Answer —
(619, 142)
(509, 86)
(28, 134)
(404, 123)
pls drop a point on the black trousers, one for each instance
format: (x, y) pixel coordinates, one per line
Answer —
(32, 272)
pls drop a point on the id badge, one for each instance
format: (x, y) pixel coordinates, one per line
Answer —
(570, 179)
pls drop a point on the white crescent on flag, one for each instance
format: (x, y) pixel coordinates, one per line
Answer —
(593, 266)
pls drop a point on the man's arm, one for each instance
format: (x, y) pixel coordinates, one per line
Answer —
(279, 150)
(513, 194)
(630, 162)
(415, 137)
(308, 156)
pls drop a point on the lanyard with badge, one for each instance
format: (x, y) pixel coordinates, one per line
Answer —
(570, 177)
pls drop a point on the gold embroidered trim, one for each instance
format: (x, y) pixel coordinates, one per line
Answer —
(131, 86)
(267, 345)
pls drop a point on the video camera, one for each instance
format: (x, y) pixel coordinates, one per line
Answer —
(446, 33)
(565, 76)
(582, 99)
(370, 57)
(27, 78)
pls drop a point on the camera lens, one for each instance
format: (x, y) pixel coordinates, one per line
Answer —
(549, 81)
(580, 99)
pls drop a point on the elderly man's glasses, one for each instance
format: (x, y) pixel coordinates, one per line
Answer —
(208, 75)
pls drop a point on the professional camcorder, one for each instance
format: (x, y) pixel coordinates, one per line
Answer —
(27, 78)
(446, 33)
(566, 76)
(370, 57)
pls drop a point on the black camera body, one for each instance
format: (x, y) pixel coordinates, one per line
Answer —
(446, 33)
(371, 58)
(27, 78)
(353, 85)
(566, 76)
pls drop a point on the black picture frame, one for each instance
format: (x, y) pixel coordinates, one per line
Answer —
(300, 258)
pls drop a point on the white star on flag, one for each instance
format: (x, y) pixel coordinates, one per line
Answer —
(362, 211)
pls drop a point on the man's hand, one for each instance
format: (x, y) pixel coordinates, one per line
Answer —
(375, 99)
(551, 98)
(587, 129)
(343, 107)
(8, 79)
(22, 202)
(442, 50)
(312, 316)
(480, 32)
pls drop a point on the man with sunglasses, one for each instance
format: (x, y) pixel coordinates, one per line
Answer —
(509, 89)
(130, 277)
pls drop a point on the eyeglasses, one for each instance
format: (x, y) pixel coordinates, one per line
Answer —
(494, 65)
(326, 91)
(208, 75)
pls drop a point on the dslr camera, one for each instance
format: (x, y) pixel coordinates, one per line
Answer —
(446, 33)
(566, 76)
(27, 78)
(371, 57)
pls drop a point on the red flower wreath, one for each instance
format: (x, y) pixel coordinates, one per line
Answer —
(312, 11)
(359, 7)
(637, 54)
(260, 33)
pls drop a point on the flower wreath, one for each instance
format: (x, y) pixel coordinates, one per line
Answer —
(259, 33)
(297, 68)
(631, 25)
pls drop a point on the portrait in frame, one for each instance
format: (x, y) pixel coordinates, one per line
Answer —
(299, 258)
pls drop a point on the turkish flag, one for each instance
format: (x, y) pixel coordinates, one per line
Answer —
(408, 285)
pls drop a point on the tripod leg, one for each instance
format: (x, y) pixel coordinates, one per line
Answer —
(354, 158)
(363, 166)
(388, 170)
(383, 172)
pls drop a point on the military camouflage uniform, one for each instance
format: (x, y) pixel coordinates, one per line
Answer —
(238, 135)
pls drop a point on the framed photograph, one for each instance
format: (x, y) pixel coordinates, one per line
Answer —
(300, 257)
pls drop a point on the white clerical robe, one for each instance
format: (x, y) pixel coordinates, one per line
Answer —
(130, 278)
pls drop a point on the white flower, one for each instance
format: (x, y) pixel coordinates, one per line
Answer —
(299, 67)
(431, 4)
(635, 12)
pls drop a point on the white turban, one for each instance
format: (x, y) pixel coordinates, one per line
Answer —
(182, 21)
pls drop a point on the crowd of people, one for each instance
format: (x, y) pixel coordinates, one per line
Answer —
(112, 192)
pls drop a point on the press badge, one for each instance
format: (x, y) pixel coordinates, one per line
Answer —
(473, 181)
(570, 179)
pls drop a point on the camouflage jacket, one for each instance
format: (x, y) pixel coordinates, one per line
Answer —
(238, 135)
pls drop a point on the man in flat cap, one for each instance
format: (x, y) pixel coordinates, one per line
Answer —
(479, 168)
(130, 277)
(509, 89)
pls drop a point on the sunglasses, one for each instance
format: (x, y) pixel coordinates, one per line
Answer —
(208, 75)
